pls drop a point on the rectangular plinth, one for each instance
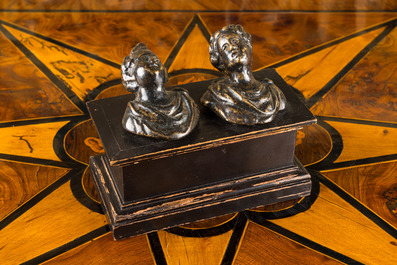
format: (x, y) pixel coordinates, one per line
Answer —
(204, 166)
(173, 209)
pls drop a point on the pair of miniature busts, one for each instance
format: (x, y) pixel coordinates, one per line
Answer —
(172, 114)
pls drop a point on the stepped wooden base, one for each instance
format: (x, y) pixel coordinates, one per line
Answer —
(196, 204)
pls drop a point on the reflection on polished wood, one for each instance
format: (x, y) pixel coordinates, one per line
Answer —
(339, 56)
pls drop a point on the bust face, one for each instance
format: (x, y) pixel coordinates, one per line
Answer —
(127, 75)
(234, 51)
(149, 71)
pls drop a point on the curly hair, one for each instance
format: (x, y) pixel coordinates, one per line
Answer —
(128, 67)
(215, 57)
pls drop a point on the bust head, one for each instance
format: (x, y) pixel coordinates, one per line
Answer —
(142, 68)
(230, 48)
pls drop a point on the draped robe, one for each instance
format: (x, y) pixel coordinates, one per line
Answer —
(238, 106)
(172, 121)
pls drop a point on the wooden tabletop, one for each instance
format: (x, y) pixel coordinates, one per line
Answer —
(340, 57)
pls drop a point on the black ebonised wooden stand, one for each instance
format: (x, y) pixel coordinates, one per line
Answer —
(148, 184)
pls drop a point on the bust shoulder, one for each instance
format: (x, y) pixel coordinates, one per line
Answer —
(169, 121)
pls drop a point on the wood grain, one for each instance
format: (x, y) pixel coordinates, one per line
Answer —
(277, 207)
(211, 223)
(189, 78)
(262, 246)
(104, 250)
(313, 143)
(277, 36)
(356, 143)
(19, 182)
(205, 5)
(80, 73)
(334, 223)
(313, 72)
(113, 91)
(25, 92)
(179, 79)
(191, 250)
(82, 141)
(31, 140)
(373, 185)
(89, 187)
(365, 93)
(54, 221)
(195, 44)
(108, 35)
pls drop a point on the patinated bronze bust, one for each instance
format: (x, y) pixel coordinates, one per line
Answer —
(155, 112)
(238, 97)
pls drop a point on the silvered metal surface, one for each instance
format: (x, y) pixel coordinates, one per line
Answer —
(238, 97)
(155, 112)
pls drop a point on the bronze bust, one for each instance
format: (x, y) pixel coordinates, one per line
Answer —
(155, 112)
(238, 97)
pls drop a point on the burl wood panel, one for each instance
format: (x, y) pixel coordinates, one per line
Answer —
(78, 72)
(312, 73)
(277, 36)
(19, 182)
(205, 5)
(48, 220)
(373, 185)
(110, 36)
(365, 93)
(25, 92)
